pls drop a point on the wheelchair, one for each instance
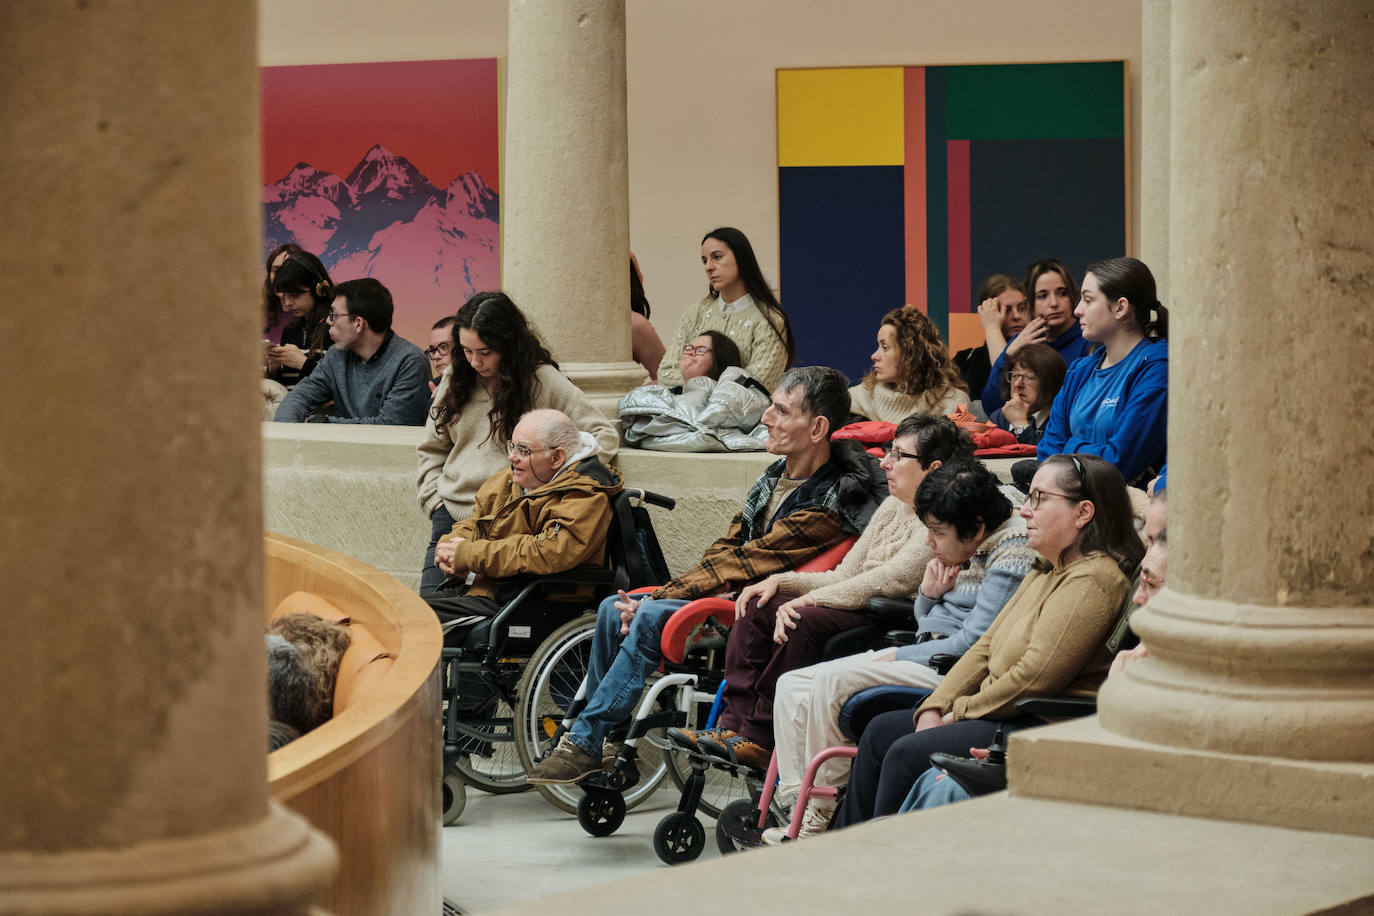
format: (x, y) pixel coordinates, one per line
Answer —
(504, 662)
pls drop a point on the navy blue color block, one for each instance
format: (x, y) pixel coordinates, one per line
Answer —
(1032, 199)
(843, 259)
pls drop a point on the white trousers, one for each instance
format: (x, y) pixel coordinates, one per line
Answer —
(806, 711)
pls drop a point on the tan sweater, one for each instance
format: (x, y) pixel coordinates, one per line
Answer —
(1049, 640)
(763, 353)
(891, 406)
(889, 559)
(456, 460)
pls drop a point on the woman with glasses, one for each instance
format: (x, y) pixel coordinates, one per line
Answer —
(912, 372)
(1049, 640)
(1035, 376)
(500, 370)
(1114, 403)
(740, 305)
(305, 291)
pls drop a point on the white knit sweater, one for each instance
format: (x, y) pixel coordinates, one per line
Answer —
(763, 353)
(889, 405)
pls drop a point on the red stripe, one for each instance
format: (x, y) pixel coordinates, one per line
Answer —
(960, 230)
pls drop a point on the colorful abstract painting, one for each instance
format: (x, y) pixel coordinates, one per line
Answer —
(911, 185)
(388, 170)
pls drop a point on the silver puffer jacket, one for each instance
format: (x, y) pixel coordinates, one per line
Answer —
(707, 416)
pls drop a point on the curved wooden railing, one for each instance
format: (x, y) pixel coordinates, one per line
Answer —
(370, 777)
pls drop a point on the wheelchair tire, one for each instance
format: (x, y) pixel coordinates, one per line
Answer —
(601, 812)
(679, 838)
(549, 682)
(501, 773)
(455, 797)
(737, 826)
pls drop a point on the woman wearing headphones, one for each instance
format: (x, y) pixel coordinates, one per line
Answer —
(305, 290)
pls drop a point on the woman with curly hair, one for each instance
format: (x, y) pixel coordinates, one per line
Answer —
(912, 372)
(505, 372)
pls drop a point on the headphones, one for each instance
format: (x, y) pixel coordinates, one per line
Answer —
(323, 289)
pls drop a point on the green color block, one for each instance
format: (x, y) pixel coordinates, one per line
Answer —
(1036, 101)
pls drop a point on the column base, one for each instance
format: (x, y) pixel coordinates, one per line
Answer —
(605, 383)
(278, 865)
(1080, 761)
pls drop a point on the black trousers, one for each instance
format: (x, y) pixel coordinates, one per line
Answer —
(893, 755)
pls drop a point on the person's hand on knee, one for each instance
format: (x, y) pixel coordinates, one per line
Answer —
(758, 592)
(627, 607)
(788, 615)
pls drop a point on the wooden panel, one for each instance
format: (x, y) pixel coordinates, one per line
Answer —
(370, 777)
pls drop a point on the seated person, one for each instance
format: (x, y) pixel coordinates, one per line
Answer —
(816, 495)
(716, 409)
(1049, 639)
(370, 374)
(981, 556)
(303, 655)
(440, 349)
(784, 621)
(1034, 377)
(1003, 311)
(1050, 285)
(547, 513)
(646, 347)
(912, 372)
(301, 285)
(1114, 403)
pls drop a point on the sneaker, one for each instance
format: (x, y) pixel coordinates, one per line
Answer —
(716, 742)
(816, 820)
(749, 752)
(566, 765)
(609, 751)
(689, 739)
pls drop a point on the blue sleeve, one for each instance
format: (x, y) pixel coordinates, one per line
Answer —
(997, 419)
(310, 393)
(1057, 426)
(1163, 485)
(992, 391)
(997, 588)
(406, 400)
(1141, 423)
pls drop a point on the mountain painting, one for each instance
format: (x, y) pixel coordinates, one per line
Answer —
(388, 170)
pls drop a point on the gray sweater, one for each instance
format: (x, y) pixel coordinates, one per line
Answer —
(389, 389)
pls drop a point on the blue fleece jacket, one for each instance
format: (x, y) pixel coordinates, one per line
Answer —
(1071, 345)
(1118, 414)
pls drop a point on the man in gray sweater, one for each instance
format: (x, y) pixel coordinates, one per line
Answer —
(370, 374)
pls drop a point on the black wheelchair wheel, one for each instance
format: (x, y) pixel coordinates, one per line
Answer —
(737, 828)
(455, 796)
(679, 838)
(600, 812)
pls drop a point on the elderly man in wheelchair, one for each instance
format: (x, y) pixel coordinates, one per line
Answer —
(818, 494)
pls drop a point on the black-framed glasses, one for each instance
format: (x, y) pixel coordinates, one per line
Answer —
(699, 351)
(334, 316)
(896, 454)
(439, 349)
(1035, 497)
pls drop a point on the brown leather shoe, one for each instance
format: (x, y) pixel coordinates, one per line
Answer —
(749, 752)
(715, 743)
(689, 739)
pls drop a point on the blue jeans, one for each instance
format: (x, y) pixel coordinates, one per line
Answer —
(618, 667)
(431, 576)
(932, 790)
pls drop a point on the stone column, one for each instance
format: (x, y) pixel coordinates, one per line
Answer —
(1154, 141)
(132, 698)
(566, 216)
(1257, 701)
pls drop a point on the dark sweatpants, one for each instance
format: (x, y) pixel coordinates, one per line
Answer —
(753, 662)
(893, 755)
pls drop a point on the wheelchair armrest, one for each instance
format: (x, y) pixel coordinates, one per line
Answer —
(860, 709)
(895, 609)
(679, 626)
(900, 637)
(942, 662)
(1058, 707)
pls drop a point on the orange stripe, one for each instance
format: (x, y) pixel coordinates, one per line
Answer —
(914, 184)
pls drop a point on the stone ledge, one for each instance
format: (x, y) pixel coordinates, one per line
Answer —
(1008, 855)
(1081, 761)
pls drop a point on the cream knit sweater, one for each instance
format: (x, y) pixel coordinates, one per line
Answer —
(891, 406)
(456, 460)
(889, 559)
(763, 353)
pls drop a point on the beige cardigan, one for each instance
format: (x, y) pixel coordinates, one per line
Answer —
(889, 559)
(456, 460)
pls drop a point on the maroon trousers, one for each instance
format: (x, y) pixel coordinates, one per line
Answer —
(753, 662)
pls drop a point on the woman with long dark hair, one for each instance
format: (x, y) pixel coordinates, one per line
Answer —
(271, 302)
(305, 290)
(501, 370)
(740, 305)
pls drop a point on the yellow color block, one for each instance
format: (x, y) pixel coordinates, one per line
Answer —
(850, 116)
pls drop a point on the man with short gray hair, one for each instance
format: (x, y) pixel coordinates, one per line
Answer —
(547, 513)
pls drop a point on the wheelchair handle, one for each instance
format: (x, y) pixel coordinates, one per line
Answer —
(653, 499)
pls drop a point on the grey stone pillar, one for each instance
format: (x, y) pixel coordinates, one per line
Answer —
(132, 702)
(566, 248)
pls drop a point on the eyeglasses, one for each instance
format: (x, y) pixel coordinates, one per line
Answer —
(523, 451)
(1036, 497)
(896, 454)
(336, 316)
(439, 349)
(1014, 376)
(699, 351)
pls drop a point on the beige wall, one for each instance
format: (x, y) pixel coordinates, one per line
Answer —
(701, 87)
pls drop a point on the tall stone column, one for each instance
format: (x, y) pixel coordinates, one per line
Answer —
(1154, 141)
(132, 698)
(566, 216)
(1257, 701)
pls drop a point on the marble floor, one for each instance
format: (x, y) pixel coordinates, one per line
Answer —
(508, 849)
